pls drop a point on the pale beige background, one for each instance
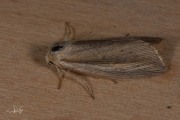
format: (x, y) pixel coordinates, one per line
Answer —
(28, 27)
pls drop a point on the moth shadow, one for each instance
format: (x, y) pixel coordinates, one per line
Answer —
(38, 53)
(167, 50)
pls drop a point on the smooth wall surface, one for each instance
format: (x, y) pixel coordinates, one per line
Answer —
(28, 87)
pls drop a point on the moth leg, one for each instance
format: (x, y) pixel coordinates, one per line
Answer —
(60, 76)
(83, 81)
(69, 32)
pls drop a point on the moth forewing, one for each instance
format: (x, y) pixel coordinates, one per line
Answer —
(108, 52)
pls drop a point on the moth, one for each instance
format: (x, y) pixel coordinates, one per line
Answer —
(114, 59)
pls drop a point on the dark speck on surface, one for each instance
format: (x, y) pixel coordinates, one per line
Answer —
(169, 107)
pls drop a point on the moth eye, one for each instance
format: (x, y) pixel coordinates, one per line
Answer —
(51, 62)
(56, 48)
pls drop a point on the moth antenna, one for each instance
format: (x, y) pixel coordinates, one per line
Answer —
(86, 85)
(69, 32)
(83, 81)
(60, 73)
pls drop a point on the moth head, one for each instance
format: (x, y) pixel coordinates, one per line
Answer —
(53, 53)
(56, 47)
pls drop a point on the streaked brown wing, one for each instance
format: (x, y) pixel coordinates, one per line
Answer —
(113, 59)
